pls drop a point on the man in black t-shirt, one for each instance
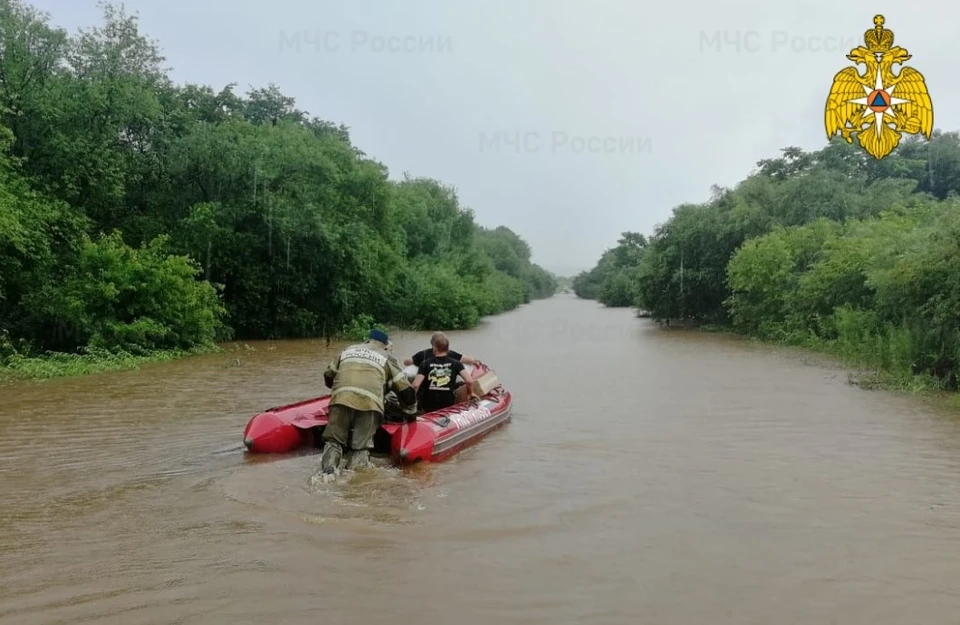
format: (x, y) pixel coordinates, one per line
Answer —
(437, 378)
(423, 354)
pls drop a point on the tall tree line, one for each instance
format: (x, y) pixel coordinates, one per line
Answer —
(137, 214)
(825, 248)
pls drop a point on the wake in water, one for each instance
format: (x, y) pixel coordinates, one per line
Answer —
(378, 485)
(379, 494)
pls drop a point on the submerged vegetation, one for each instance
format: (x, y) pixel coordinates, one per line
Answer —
(830, 250)
(140, 219)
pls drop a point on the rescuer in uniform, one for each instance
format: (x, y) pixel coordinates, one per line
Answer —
(358, 377)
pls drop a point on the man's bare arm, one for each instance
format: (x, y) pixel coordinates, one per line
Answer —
(468, 380)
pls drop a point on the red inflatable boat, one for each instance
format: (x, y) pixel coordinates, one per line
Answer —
(433, 437)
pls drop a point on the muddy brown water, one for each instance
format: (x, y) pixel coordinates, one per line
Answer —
(648, 476)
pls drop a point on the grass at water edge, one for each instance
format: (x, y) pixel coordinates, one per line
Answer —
(91, 361)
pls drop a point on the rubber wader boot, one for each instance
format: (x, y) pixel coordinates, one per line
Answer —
(330, 460)
(359, 459)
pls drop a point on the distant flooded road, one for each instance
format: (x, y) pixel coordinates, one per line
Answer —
(648, 477)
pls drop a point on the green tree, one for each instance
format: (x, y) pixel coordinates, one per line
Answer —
(225, 214)
(830, 248)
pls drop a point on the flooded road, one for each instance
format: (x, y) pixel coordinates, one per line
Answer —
(648, 476)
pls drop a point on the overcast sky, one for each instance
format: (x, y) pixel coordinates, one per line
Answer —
(672, 96)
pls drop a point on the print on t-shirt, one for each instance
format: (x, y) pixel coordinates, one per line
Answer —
(440, 377)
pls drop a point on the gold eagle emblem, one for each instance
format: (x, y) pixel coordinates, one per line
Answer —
(878, 105)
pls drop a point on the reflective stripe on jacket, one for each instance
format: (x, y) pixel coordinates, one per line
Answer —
(358, 376)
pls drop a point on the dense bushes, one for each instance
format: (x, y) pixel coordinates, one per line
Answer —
(830, 249)
(613, 280)
(125, 198)
(121, 298)
(885, 291)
